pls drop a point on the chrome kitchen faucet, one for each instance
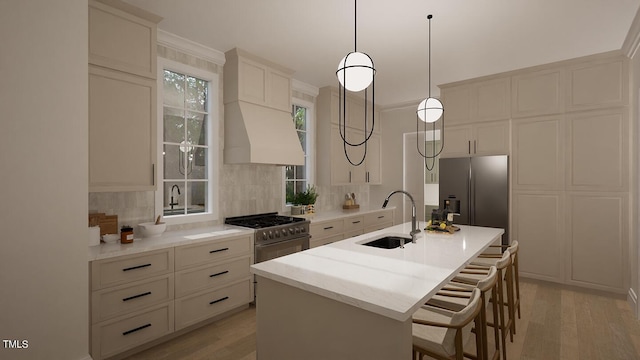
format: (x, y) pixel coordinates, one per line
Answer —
(414, 227)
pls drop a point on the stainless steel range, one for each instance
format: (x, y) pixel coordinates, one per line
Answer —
(275, 235)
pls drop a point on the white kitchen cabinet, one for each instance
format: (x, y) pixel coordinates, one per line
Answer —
(598, 84)
(123, 38)
(477, 101)
(343, 172)
(336, 169)
(122, 131)
(256, 80)
(538, 146)
(131, 301)
(122, 98)
(599, 160)
(343, 227)
(537, 93)
(141, 297)
(598, 240)
(539, 227)
(486, 138)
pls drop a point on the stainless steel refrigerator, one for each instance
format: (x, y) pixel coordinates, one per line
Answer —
(481, 183)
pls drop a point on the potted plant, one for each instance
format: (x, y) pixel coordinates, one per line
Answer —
(306, 199)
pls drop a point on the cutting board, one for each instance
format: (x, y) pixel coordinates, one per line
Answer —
(108, 223)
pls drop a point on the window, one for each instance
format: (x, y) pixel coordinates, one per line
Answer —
(187, 126)
(298, 177)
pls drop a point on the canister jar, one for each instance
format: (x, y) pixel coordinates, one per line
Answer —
(126, 234)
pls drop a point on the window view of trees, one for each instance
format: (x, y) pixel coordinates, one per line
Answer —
(296, 176)
(185, 143)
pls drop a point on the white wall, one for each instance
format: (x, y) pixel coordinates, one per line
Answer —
(44, 177)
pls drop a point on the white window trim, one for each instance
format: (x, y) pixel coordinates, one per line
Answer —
(311, 150)
(214, 136)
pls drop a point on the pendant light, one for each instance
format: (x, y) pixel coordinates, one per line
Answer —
(429, 111)
(355, 73)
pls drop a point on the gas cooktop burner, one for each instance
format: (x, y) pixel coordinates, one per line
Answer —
(261, 221)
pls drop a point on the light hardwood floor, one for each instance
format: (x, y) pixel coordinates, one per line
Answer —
(558, 322)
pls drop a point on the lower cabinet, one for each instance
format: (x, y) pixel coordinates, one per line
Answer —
(205, 304)
(328, 231)
(142, 297)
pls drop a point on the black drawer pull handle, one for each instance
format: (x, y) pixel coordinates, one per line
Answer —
(381, 216)
(137, 296)
(220, 273)
(355, 222)
(136, 267)
(217, 301)
(215, 251)
(328, 228)
(136, 329)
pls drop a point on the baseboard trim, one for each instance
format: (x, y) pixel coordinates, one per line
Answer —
(632, 298)
(86, 357)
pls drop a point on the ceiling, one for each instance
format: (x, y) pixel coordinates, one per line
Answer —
(469, 38)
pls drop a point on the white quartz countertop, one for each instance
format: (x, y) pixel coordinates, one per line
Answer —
(341, 213)
(389, 282)
(166, 240)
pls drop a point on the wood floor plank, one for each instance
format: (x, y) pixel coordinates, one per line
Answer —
(557, 322)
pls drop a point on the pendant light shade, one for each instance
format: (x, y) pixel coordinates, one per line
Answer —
(355, 71)
(430, 110)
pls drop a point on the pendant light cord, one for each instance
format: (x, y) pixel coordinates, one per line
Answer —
(342, 101)
(433, 132)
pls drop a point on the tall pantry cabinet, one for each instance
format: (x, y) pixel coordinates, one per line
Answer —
(570, 161)
(336, 169)
(122, 97)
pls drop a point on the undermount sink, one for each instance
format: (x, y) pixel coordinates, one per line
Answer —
(388, 242)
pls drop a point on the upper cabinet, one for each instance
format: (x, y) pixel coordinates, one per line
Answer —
(122, 97)
(122, 37)
(333, 166)
(609, 77)
(485, 138)
(538, 93)
(255, 80)
(484, 100)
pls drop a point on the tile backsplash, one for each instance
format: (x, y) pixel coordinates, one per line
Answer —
(243, 190)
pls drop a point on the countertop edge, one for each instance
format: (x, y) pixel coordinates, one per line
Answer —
(167, 240)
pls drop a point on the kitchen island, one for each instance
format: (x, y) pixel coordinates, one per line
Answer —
(346, 300)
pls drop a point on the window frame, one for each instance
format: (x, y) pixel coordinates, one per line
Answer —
(213, 135)
(310, 154)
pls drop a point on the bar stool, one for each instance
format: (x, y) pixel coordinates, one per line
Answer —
(455, 296)
(474, 273)
(441, 333)
(490, 259)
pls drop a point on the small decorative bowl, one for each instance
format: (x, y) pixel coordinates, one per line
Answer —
(110, 238)
(151, 229)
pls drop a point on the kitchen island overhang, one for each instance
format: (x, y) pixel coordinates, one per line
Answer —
(368, 292)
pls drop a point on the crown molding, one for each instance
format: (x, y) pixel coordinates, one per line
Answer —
(190, 47)
(305, 88)
(632, 41)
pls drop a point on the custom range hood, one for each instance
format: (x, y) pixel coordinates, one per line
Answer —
(258, 125)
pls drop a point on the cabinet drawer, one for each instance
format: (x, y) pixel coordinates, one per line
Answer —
(353, 233)
(323, 241)
(378, 217)
(201, 306)
(353, 223)
(211, 276)
(122, 269)
(326, 228)
(199, 254)
(377, 227)
(112, 302)
(115, 336)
